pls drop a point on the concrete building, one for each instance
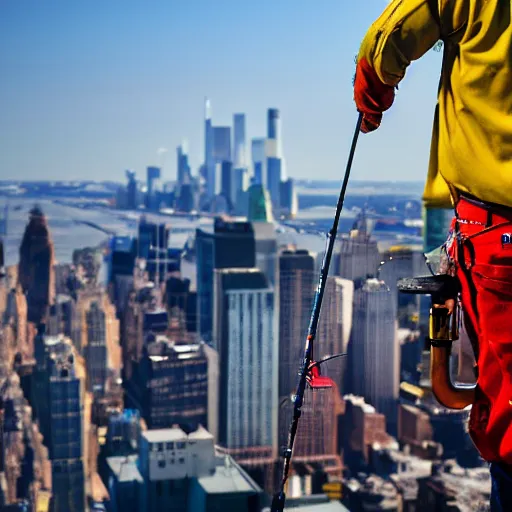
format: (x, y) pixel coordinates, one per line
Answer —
(182, 473)
(170, 384)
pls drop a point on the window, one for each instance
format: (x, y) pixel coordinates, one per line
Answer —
(170, 446)
(161, 463)
(181, 460)
(160, 447)
(180, 446)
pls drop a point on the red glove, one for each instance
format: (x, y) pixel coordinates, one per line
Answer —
(372, 97)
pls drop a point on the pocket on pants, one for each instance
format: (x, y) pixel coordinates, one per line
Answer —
(494, 305)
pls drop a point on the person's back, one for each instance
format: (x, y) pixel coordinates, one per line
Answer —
(471, 170)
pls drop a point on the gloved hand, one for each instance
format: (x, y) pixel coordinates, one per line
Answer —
(372, 97)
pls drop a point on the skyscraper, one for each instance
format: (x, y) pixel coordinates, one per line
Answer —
(335, 326)
(131, 191)
(273, 124)
(96, 349)
(296, 286)
(239, 144)
(221, 144)
(35, 269)
(231, 245)
(245, 333)
(228, 184)
(274, 181)
(183, 167)
(288, 198)
(153, 174)
(209, 162)
(258, 160)
(260, 206)
(374, 350)
(359, 253)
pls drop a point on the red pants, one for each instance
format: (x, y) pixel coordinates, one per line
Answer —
(482, 252)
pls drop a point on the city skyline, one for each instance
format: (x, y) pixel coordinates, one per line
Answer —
(87, 99)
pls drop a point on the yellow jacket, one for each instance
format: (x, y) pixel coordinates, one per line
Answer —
(472, 136)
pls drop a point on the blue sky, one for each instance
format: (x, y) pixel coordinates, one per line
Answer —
(92, 88)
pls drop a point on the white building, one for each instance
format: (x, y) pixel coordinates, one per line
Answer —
(245, 332)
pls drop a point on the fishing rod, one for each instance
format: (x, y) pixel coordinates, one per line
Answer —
(308, 363)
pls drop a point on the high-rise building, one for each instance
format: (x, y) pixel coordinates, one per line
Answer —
(273, 124)
(296, 286)
(258, 160)
(274, 181)
(96, 349)
(239, 143)
(245, 334)
(335, 327)
(57, 396)
(374, 349)
(35, 269)
(183, 167)
(170, 384)
(260, 205)
(288, 198)
(209, 162)
(131, 191)
(222, 144)
(228, 184)
(359, 255)
(266, 250)
(231, 245)
(240, 186)
(153, 175)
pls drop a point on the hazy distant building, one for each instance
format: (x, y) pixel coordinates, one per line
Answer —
(258, 161)
(231, 244)
(131, 191)
(260, 205)
(153, 175)
(183, 174)
(245, 335)
(239, 141)
(359, 254)
(209, 161)
(296, 285)
(35, 268)
(288, 198)
(274, 173)
(374, 350)
(266, 250)
(96, 350)
(228, 184)
(335, 327)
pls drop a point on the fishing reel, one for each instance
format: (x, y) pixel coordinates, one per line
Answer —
(444, 322)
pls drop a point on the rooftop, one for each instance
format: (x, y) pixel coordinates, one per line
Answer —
(315, 503)
(228, 478)
(200, 433)
(165, 434)
(125, 468)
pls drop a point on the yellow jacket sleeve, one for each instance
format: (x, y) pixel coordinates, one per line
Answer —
(404, 32)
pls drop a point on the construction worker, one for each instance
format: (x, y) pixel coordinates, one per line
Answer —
(471, 171)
